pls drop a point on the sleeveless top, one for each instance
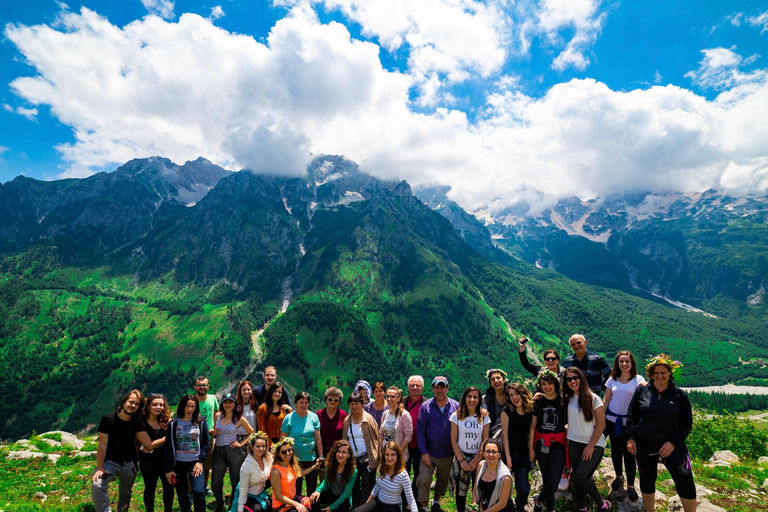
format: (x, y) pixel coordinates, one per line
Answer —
(287, 485)
(227, 433)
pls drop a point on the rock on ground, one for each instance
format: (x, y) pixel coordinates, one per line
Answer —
(762, 461)
(723, 458)
(702, 505)
(24, 454)
(68, 439)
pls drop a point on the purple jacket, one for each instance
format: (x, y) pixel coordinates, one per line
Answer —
(433, 430)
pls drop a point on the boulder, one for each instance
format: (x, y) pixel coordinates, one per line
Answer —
(765, 485)
(24, 455)
(723, 458)
(54, 457)
(762, 461)
(40, 495)
(702, 505)
(68, 439)
(51, 442)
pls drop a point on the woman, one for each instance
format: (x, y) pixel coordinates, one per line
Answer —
(285, 473)
(271, 413)
(619, 389)
(546, 438)
(392, 484)
(331, 417)
(396, 426)
(335, 492)
(495, 399)
(551, 361)
(658, 421)
(251, 491)
(493, 486)
(586, 424)
(151, 435)
(246, 405)
(303, 426)
(378, 406)
(515, 424)
(363, 435)
(186, 452)
(469, 430)
(228, 451)
(365, 391)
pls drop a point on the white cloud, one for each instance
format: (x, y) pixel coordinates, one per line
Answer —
(189, 88)
(582, 16)
(162, 8)
(761, 20)
(216, 12)
(29, 113)
(3, 149)
(719, 69)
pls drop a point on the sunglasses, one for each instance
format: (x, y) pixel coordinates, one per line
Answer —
(550, 359)
(286, 452)
(571, 379)
(329, 399)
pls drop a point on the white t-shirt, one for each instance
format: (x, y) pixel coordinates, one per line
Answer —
(578, 429)
(470, 432)
(621, 395)
(250, 417)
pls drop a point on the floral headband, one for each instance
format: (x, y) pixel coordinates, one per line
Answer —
(666, 361)
(257, 435)
(490, 372)
(281, 442)
(548, 373)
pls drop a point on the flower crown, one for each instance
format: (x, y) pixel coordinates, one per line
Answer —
(490, 372)
(666, 361)
(257, 435)
(548, 373)
(281, 442)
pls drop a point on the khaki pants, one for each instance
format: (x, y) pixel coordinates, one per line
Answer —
(424, 480)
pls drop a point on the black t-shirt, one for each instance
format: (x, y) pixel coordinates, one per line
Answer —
(121, 445)
(517, 432)
(154, 435)
(550, 415)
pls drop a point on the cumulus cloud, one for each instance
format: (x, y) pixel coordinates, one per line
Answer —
(582, 16)
(162, 8)
(188, 88)
(216, 12)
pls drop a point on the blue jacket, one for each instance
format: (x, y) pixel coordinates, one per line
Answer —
(433, 429)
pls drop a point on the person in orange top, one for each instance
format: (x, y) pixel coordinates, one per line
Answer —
(271, 413)
(285, 471)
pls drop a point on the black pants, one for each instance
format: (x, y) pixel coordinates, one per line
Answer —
(620, 453)
(414, 461)
(582, 473)
(364, 482)
(551, 465)
(326, 499)
(151, 469)
(678, 464)
(311, 478)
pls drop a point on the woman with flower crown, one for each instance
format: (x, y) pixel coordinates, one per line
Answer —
(251, 491)
(285, 471)
(495, 399)
(658, 421)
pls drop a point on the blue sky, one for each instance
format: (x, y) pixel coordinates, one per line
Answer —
(501, 100)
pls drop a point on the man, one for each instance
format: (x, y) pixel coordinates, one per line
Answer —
(412, 404)
(209, 408)
(596, 369)
(433, 433)
(116, 453)
(270, 377)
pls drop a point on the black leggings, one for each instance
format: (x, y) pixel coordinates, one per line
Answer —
(620, 453)
(326, 499)
(376, 506)
(678, 464)
(151, 469)
(551, 465)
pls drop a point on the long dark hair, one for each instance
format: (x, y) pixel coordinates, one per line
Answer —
(237, 411)
(585, 394)
(616, 371)
(269, 402)
(183, 405)
(332, 465)
(164, 417)
(463, 411)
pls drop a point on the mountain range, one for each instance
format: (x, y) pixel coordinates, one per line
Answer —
(154, 273)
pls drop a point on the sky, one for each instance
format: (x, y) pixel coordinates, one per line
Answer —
(505, 101)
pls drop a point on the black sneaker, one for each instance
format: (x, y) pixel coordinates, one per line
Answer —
(436, 508)
(617, 483)
(632, 494)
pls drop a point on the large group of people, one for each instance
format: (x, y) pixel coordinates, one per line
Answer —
(392, 451)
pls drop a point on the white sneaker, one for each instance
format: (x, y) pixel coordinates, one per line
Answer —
(564, 481)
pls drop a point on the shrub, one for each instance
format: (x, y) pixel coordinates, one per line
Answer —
(727, 432)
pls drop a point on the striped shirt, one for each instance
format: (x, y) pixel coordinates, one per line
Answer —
(388, 490)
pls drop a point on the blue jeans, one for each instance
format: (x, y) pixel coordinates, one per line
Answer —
(184, 470)
(520, 466)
